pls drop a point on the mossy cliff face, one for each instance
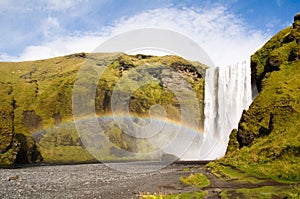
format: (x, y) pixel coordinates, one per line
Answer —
(267, 141)
(36, 121)
(14, 147)
(9, 145)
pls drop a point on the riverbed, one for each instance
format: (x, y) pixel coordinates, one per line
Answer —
(93, 180)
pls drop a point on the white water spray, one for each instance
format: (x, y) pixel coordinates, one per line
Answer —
(227, 94)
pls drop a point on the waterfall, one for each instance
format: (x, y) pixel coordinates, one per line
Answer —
(227, 94)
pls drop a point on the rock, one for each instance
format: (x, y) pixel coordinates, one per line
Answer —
(16, 177)
(296, 28)
(297, 17)
(295, 54)
(217, 190)
(275, 62)
(28, 152)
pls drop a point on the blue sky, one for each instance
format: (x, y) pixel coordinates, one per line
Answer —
(36, 29)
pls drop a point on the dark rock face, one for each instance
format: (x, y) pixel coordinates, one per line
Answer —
(28, 152)
(246, 137)
(295, 53)
(296, 28)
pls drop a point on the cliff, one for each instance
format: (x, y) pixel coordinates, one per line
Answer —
(267, 141)
(37, 124)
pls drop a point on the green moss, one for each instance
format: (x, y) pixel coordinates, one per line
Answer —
(9, 145)
(42, 93)
(67, 154)
(265, 192)
(233, 144)
(230, 173)
(278, 48)
(9, 157)
(186, 169)
(273, 122)
(198, 180)
(268, 133)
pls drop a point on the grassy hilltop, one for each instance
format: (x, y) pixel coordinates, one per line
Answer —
(36, 101)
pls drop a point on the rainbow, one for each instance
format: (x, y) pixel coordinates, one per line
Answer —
(168, 136)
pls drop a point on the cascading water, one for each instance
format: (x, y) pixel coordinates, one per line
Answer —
(227, 94)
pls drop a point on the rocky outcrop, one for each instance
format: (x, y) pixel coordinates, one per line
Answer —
(296, 28)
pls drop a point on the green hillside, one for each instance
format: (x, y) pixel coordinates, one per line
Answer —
(36, 122)
(267, 141)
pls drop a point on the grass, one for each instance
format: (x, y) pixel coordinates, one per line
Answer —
(266, 192)
(266, 145)
(67, 154)
(275, 155)
(228, 173)
(198, 180)
(186, 169)
(267, 141)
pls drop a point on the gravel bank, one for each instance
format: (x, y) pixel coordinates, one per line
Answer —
(88, 181)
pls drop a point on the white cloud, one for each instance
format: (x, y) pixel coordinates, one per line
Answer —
(51, 27)
(221, 34)
(22, 6)
(62, 46)
(62, 5)
(5, 56)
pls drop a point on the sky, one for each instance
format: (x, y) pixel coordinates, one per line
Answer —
(228, 30)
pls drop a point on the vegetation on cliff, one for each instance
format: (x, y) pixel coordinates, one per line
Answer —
(36, 121)
(267, 141)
